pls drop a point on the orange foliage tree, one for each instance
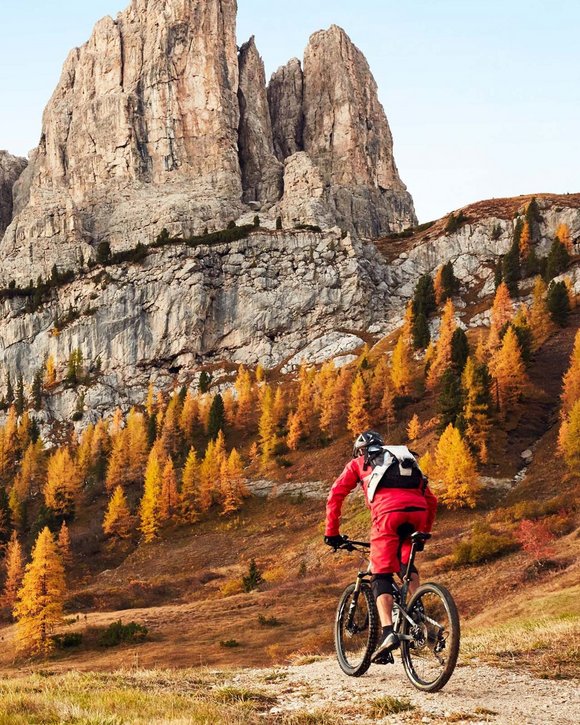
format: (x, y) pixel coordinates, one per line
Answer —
(535, 538)
(539, 317)
(169, 498)
(189, 503)
(564, 237)
(118, 521)
(232, 483)
(358, 415)
(64, 545)
(414, 428)
(150, 502)
(509, 372)
(14, 567)
(501, 313)
(267, 425)
(571, 382)
(401, 375)
(442, 358)
(39, 607)
(62, 490)
(569, 438)
(454, 472)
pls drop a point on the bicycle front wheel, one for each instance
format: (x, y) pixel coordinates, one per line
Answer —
(356, 630)
(430, 656)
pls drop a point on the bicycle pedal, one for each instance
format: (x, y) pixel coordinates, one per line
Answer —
(385, 658)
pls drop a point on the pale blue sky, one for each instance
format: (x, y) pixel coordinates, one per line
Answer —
(483, 97)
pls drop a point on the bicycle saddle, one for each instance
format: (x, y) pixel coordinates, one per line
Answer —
(420, 536)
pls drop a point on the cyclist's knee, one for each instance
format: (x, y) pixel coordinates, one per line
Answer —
(382, 584)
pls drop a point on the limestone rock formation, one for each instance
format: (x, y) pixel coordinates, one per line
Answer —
(305, 199)
(141, 133)
(347, 135)
(261, 171)
(11, 167)
(285, 98)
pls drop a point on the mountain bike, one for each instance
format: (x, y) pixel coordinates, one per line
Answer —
(428, 625)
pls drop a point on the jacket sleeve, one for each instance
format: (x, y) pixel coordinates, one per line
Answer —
(431, 501)
(343, 485)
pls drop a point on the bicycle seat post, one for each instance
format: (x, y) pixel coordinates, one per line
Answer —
(407, 574)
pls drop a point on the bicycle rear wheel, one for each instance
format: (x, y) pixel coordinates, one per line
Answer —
(356, 630)
(430, 658)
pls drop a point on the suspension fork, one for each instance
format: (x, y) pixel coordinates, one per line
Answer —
(354, 601)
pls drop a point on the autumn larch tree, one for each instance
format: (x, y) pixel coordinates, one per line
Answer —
(118, 521)
(64, 546)
(509, 372)
(62, 491)
(477, 407)
(169, 501)
(232, 483)
(401, 373)
(564, 237)
(358, 415)
(442, 360)
(569, 439)
(14, 567)
(571, 382)
(525, 241)
(137, 444)
(188, 416)
(454, 473)
(244, 390)
(502, 312)
(414, 428)
(387, 407)
(150, 502)
(49, 373)
(39, 607)
(189, 505)
(267, 425)
(171, 432)
(27, 482)
(539, 316)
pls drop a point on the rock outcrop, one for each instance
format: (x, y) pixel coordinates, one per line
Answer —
(347, 135)
(286, 98)
(157, 122)
(11, 167)
(278, 298)
(261, 171)
(141, 133)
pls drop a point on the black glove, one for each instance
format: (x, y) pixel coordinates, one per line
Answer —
(334, 541)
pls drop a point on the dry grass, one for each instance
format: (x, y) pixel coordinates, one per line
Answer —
(548, 645)
(121, 697)
(383, 706)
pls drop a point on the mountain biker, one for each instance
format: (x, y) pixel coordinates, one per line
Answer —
(395, 512)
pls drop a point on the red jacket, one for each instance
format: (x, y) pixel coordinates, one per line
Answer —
(385, 500)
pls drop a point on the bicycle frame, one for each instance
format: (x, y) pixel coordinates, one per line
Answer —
(399, 593)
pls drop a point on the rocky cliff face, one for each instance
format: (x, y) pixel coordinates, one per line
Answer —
(11, 167)
(157, 122)
(141, 133)
(346, 134)
(286, 101)
(261, 170)
(331, 111)
(276, 298)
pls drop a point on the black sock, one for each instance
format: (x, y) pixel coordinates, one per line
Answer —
(387, 630)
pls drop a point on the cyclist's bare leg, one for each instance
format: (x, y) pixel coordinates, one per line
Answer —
(385, 607)
(413, 584)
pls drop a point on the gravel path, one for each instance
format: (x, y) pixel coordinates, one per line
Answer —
(480, 694)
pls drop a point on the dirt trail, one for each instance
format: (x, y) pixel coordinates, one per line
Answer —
(481, 694)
